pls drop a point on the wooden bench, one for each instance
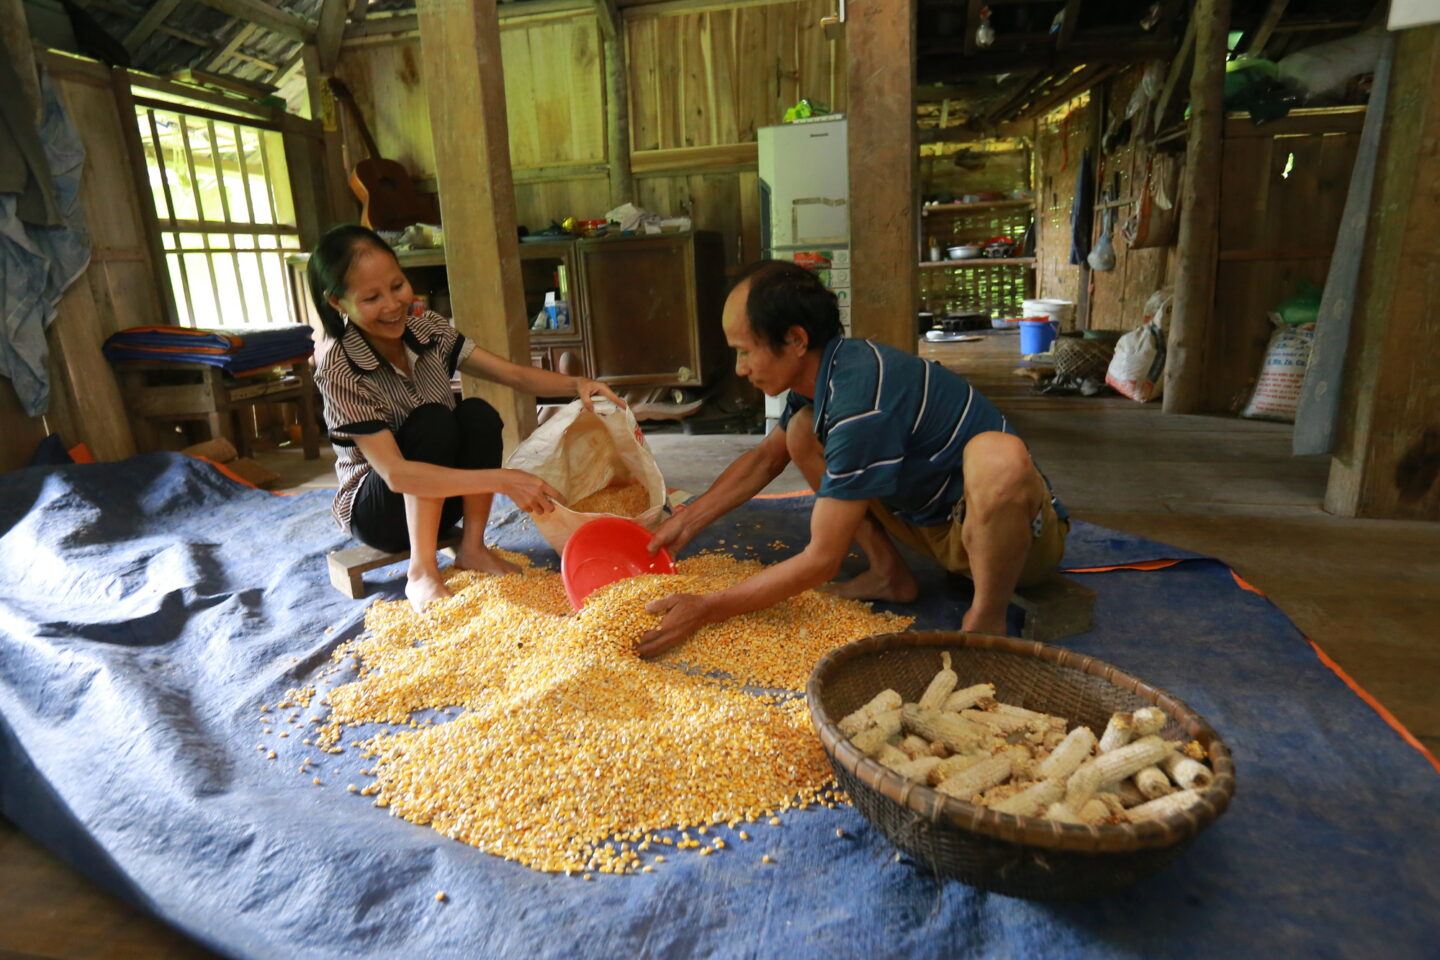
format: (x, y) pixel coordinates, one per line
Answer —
(347, 566)
(1053, 609)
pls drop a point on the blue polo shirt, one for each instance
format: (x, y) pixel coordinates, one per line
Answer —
(894, 428)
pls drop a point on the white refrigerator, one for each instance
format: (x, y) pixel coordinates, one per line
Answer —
(805, 207)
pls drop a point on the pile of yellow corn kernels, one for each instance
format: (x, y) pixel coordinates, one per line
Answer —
(629, 500)
(569, 752)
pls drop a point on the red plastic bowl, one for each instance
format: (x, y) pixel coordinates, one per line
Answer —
(604, 550)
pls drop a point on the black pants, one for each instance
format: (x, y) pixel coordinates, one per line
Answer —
(467, 437)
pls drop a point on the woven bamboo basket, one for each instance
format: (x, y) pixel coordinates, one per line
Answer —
(1017, 856)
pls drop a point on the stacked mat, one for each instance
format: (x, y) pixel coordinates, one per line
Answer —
(237, 352)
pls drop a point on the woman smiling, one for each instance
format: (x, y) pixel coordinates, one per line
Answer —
(410, 460)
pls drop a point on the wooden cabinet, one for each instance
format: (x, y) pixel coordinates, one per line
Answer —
(652, 308)
(644, 311)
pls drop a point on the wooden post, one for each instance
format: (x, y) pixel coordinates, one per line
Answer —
(460, 46)
(15, 38)
(338, 204)
(617, 102)
(884, 252)
(1185, 365)
(1387, 455)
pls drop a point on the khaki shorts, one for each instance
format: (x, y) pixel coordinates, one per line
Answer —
(943, 542)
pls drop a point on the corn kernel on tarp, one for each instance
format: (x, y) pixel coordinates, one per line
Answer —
(148, 609)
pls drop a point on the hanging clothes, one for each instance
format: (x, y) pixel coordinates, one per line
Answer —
(24, 168)
(37, 262)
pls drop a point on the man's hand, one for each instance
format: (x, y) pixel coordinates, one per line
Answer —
(684, 614)
(672, 535)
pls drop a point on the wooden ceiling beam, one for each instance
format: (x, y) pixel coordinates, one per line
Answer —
(1016, 100)
(1079, 83)
(989, 63)
(128, 13)
(1266, 27)
(149, 23)
(1000, 131)
(330, 33)
(241, 33)
(265, 16)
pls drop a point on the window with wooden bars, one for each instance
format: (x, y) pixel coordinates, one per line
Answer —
(221, 194)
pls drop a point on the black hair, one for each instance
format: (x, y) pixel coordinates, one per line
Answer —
(784, 295)
(329, 263)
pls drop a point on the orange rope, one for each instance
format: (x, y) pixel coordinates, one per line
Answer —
(1375, 705)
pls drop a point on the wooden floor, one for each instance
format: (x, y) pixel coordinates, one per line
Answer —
(1368, 592)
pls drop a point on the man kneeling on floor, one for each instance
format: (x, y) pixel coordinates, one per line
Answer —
(892, 445)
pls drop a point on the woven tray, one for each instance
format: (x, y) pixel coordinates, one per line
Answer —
(1018, 856)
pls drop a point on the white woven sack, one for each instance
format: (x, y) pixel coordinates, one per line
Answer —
(579, 453)
(1282, 374)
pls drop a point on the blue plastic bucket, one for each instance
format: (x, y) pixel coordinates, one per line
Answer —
(1036, 335)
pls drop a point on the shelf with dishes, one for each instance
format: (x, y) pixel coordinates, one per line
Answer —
(929, 208)
(978, 262)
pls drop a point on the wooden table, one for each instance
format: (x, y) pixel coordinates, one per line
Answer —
(169, 391)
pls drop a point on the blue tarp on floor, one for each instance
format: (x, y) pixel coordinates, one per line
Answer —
(148, 607)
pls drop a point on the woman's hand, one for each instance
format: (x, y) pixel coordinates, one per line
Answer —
(529, 492)
(586, 390)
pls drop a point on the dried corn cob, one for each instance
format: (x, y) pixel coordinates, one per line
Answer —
(865, 717)
(956, 733)
(1033, 799)
(1061, 813)
(941, 686)
(1118, 732)
(917, 769)
(870, 740)
(1128, 794)
(946, 769)
(1163, 807)
(1067, 757)
(967, 698)
(916, 747)
(1111, 767)
(1152, 782)
(1002, 723)
(892, 756)
(1148, 721)
(1189, 774)
(986, 773)
(1036, 720)
(1094, 811)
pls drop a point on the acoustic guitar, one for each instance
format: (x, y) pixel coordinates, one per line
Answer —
(389, 200)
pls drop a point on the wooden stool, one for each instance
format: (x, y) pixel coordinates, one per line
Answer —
(346, 566)
(168, 391)
(1054, 609)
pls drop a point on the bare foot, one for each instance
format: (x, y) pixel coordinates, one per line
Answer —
(993, 624)
(424, 589)
(482, 560)
(899, 587)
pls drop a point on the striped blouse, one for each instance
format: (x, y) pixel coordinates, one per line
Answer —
(365, 394)
(894, 428)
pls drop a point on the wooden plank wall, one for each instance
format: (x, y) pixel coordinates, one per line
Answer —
(1117, 297)
(117, 291)
(701, 81)
(1277, 229)
(1061, 138)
